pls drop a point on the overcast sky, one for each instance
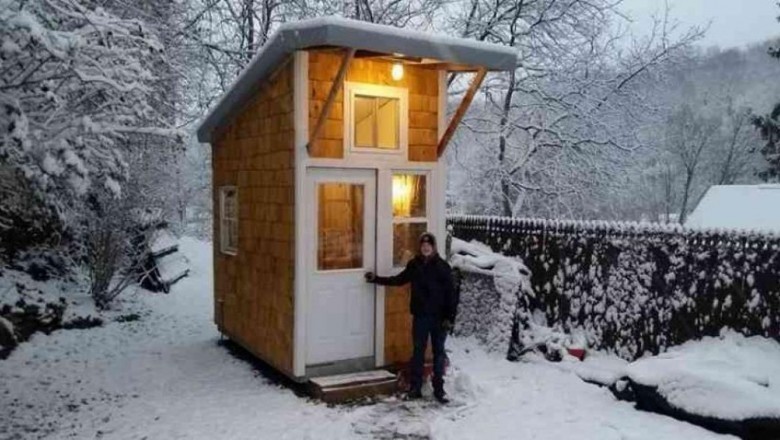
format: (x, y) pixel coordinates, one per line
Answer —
(733, 22)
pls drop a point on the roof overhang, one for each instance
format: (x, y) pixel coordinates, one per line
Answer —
(439, 51)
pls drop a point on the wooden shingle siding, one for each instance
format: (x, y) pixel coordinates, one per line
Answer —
(423, 89)
(254, 289)
(398, 325)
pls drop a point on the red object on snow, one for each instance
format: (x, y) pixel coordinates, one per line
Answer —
(579, 353)
(404, 373)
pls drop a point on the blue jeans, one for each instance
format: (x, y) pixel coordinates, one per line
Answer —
(422, 328)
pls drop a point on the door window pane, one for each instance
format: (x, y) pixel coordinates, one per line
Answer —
(339, 226)
(405, 241)
(409, 195)
(375, 122)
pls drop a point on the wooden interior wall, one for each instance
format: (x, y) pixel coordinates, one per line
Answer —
(423, 102)
(340, 226)
(254, 289)
(423, 136)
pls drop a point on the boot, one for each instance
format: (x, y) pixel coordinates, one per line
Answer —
(441, 397)
(438, 389)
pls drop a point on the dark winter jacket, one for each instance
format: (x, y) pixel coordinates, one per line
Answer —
(433, 290)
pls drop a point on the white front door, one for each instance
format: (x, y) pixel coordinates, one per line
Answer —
(341, 243)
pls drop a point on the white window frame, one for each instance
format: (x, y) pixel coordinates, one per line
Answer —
(223, 221)
(351, 89)
(401, 220)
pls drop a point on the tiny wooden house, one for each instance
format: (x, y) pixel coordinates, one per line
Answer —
(326, 164)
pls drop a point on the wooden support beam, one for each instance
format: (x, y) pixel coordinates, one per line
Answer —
(461, 110)
(338, 82)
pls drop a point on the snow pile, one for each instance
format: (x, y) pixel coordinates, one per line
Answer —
(488, 303)
(597, 368)
(28, 305)
(731, 377)
(535, 336)
(532, 400)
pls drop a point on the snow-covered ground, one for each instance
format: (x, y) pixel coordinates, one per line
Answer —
(165, 377)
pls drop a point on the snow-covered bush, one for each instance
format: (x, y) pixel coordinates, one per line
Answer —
(633, 288)
(20, 210)
(33, 301)
(116, 245)
(489, 297)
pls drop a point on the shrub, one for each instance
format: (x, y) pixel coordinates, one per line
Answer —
(634, 288)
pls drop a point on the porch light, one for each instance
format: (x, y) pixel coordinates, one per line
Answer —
(397, 71)
(402, 195)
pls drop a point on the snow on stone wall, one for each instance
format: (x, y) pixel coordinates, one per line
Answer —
(491, 286)
(630, 288)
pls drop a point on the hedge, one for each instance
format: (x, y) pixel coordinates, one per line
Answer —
(633, 288)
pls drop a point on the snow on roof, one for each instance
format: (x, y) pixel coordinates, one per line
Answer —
(342, 32)
(750, 207)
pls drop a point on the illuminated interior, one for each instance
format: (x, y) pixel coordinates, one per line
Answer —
(409, 197)
(409, 215)
(376, 122)
(339, 226)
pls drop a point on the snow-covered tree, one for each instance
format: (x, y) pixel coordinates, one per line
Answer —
(687, 136)
(769, 127)
(76, 88)
(734, 152)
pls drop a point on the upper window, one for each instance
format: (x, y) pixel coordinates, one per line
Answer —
(375, 118)
(228, 219)
(375, 122)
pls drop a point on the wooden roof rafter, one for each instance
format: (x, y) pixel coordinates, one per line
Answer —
(338, 83)
(476, 82)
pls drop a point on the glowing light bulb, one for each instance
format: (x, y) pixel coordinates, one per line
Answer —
(397, 71)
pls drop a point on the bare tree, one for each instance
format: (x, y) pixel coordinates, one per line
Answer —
(687, 136)
(560, 122)
(736, 155)
(117, 233)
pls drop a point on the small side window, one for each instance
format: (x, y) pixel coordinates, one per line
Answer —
(228, 226)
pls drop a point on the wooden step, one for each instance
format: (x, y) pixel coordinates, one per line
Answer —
(345, 387)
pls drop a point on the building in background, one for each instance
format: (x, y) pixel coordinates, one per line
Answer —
(748, 207)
